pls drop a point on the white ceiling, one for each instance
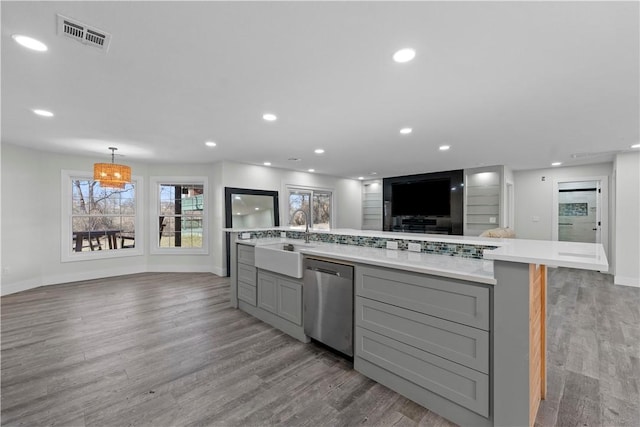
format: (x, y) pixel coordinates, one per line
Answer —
(514, 83)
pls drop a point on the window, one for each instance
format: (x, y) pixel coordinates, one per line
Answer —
(98, 222)
(179, 215)
(320, 201)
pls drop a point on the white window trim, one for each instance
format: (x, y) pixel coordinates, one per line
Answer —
(285, 206)
(66, 250)
(154, 214)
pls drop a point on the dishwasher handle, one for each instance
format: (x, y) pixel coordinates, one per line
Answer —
(342, 271)
(325, 271)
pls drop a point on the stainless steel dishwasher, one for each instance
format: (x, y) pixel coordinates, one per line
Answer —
(328, 304)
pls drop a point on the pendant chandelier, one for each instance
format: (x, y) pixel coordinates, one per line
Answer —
(111, 175)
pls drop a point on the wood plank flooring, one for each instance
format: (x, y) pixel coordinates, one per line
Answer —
(166, 350)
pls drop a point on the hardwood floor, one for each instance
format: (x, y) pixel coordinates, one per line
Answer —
(165, 349)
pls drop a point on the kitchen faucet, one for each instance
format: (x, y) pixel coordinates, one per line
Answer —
(306, 221)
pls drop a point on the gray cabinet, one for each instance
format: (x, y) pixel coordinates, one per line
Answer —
(426, 337)
(246, 272)
(267, 292)
(449, 299)
(457, 383)
(290, 300)
(280, 295)
(458, 343)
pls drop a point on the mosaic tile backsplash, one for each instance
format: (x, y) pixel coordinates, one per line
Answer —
(440, 248)
(573, 209)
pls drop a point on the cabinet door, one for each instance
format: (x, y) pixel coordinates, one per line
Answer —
(267, 292)
(290, 300)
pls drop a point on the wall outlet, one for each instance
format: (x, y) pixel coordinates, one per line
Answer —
(492, 220)
(415, 247)
(245, 236)
(283, 234)
(392, 245)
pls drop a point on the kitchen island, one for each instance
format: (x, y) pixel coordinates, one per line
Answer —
(460, 330)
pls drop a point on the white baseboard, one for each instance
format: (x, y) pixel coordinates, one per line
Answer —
(627, 281)
(23, 285)
(12, 288)
(162, 268)
(91, 275)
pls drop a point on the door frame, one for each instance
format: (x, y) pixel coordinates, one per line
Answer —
(228, 217)
(602, 214)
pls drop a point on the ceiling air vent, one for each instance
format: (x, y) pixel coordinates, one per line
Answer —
(83, 33)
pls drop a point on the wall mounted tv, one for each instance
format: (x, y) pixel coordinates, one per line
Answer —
(425, 198)
(424, 203)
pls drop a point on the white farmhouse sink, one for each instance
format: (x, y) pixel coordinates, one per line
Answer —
(275, 258)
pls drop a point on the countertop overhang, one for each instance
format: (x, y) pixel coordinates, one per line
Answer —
(474, 270)
(584, 256)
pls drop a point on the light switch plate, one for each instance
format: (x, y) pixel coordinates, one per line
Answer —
(283, 234)
(245, 236)
(415, 247)
(492, 219)
(535, 218)
(392, 245)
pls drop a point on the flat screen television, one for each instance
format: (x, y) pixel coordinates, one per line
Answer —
(421, 198)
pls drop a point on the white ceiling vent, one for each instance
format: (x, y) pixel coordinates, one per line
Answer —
(83, 33)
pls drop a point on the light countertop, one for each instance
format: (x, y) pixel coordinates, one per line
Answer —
(585, 256)
(475, 270)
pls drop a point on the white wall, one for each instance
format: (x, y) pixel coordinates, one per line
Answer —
(32, 217)
(534, 199)
(347, 193)
(627, 219)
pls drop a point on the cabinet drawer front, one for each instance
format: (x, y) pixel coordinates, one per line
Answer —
(457, 383)
(290, 300)
(448, 299)
(458, 343)
(247, 293)
(247, 274)
(246, 254)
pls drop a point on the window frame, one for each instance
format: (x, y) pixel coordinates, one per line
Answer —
(67, 254)
(154, 214)
(306, 189)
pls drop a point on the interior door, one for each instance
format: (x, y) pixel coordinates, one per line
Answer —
(579, 216)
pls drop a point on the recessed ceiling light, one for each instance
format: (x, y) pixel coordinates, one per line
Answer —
(210, 144)
(404, 55)
(556, 163)
(311, 170)
(257, 209)
(43, 113)
(361, 178)
(269, 117)
(373, 173)
(238, 198)
(635, 146)
(406, 131)
(267, 163)
(237, 213)
(444, 147)
(30, 43)
(318, 151)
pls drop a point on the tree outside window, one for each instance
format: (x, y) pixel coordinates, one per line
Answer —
(102, 218)
(320, 212)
